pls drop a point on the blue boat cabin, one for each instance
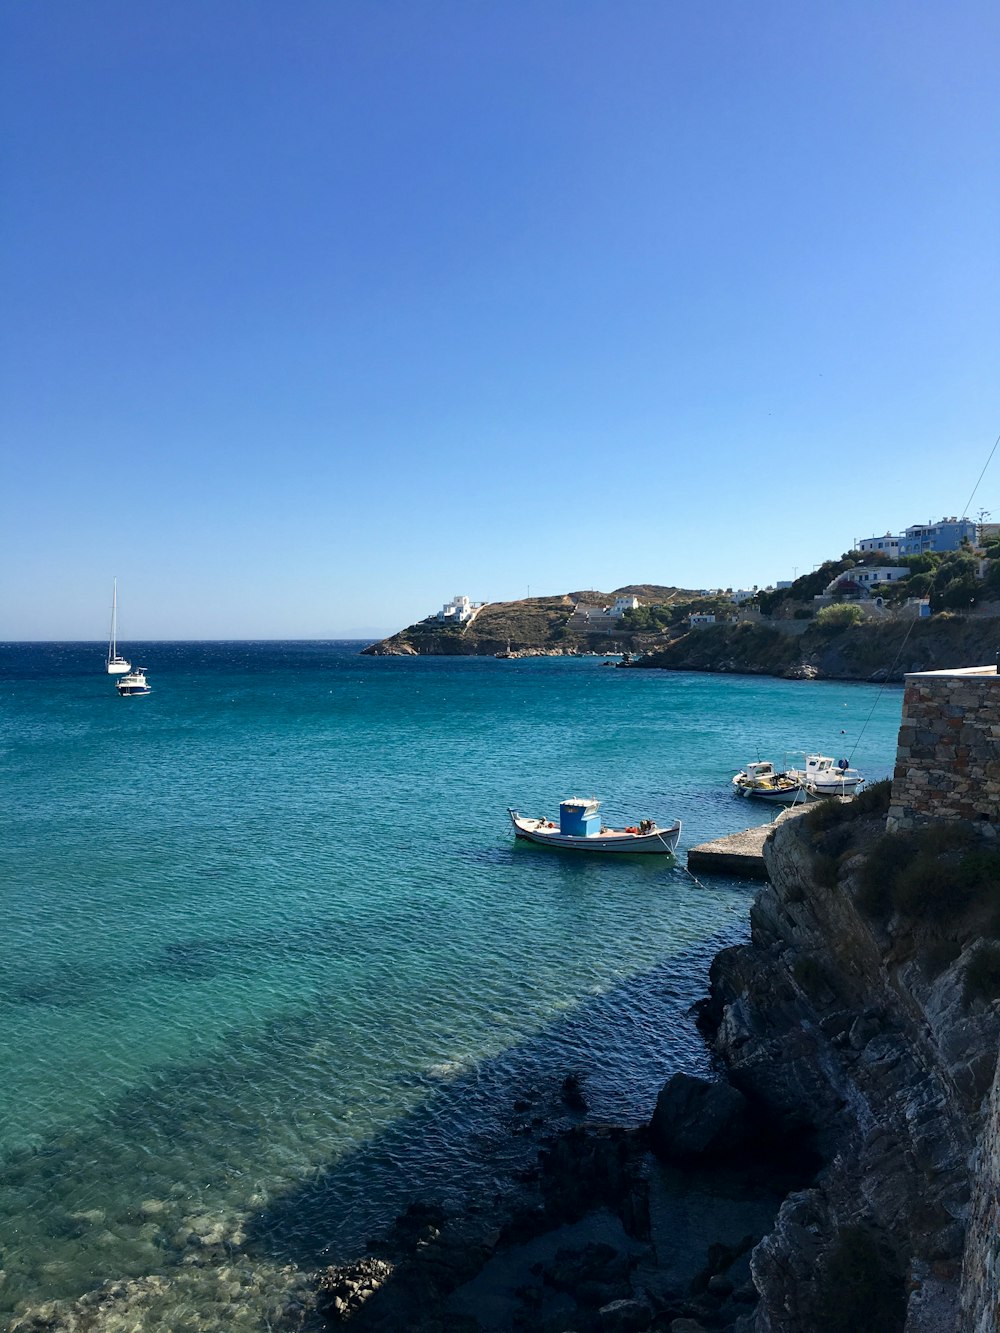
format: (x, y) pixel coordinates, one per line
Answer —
(579, 819)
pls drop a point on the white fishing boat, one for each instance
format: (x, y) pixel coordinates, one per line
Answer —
(132, 684)
(580, 829)
(824, 776)
(764, 783)
(117, 664)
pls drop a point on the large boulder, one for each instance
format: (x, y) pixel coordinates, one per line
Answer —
(695, 1118)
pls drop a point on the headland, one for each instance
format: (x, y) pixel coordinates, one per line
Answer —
(564, 624)
(668, 631)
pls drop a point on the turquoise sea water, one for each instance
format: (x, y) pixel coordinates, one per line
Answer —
(272, 962)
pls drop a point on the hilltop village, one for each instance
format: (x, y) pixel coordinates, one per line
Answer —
(845, 619)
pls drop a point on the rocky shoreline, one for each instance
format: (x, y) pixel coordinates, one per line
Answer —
(611, 1229)
(873, 651)
(858, 1070)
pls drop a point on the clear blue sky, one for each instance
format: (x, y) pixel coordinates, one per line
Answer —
(319, 312)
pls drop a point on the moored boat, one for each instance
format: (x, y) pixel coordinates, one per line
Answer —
(132, 684)
(824, 776)
(117, 664)
(764, 783)
(580, 829)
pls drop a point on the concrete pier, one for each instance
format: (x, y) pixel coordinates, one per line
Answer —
(738, 854)
(743, 853)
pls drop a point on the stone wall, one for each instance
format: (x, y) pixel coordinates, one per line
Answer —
(948, 755)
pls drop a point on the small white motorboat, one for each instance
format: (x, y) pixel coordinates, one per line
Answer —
(764, 783)
(132, 684)
(580, 830)
(823, 776)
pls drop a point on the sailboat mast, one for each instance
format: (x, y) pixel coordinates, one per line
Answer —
(113, 647)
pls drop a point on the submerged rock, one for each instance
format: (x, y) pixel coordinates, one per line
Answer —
(695, 1118)
(572, 1093)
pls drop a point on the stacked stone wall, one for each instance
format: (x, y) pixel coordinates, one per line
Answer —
(948, 754)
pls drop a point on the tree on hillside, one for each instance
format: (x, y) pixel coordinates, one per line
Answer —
(955, 586)
(839, 614)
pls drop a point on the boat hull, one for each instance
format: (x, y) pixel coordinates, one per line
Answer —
(820, 789)
(660, 842)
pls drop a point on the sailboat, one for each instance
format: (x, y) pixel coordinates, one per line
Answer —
(117, 665)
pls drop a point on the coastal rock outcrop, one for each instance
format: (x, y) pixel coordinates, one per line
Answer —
(872, 651)
(696, 1118)
(852, 1021)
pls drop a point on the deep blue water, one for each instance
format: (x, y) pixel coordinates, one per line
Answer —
(271, 956)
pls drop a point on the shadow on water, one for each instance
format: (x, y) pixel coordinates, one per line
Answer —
(475, 1127)
(201, 1137)
(193, 959)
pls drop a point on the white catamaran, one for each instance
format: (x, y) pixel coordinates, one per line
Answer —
(117, 665)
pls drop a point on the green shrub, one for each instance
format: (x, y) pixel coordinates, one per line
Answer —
(827, 814)
(982, 868)
(886, 857)
(834, 841)
(925, 874)
(982, 975)
(839, 614)
(930, 887)
(938, 838)
(826, 870)
(873, 799)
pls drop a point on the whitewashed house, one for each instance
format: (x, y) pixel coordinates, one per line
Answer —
(459, 611)
(701, 618)
(867, 578)
(888, 545)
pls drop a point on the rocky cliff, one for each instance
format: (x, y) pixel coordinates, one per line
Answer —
(858, 652)
(865, 1012)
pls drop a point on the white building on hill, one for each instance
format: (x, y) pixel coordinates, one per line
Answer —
(459, 611)
(888, 545)
(865, 579)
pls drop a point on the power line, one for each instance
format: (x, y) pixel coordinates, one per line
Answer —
(909, 630)
(982, 474)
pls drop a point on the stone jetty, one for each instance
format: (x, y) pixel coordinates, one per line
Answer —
(736, 854)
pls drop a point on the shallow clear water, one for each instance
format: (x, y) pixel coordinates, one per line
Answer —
(271, 955)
